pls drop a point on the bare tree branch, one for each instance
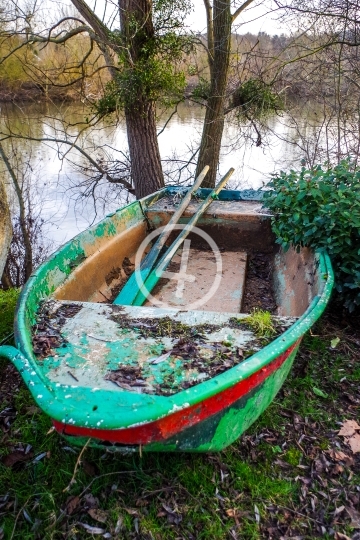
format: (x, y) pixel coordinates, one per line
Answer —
(79, 149)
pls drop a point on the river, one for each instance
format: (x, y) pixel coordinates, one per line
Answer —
(55, 184)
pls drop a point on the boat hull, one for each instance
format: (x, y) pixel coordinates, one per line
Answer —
(209, 426)
(75, 382)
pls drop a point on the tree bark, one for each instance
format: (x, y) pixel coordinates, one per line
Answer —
(214, 118)
(145, 160)
(5, 227)
(146, 169)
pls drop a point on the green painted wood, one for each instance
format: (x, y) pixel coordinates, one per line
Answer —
(216, 432)
(129, 292)
(156, 274)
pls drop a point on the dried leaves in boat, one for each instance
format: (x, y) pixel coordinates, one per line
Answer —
(128, 377)
(199, 361)
(46, 332)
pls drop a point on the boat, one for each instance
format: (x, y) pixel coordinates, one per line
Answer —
(185, 371)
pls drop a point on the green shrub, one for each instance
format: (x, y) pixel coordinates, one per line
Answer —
(320, 208)
(8, 301)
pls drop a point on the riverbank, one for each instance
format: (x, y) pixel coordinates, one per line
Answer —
(293, 475)
(35, 93)
(29, 92)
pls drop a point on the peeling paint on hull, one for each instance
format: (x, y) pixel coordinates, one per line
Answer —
(210, 425)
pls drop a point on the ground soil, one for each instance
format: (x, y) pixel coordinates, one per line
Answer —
(237, 494)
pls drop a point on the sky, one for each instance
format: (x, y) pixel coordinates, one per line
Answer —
(256, 18)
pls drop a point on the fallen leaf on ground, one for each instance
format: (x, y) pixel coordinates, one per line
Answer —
(119, 525)
(91, 501)
(355, 517)
(319, 392)
(142, 502)
(339, 510)
(348, 428)
(334, 342)
(337, 469)
(341, 536)
(90, 529)
(354, 443)
(132, 511)
(98, 514)
(72, 504)
(16, 457)
(337, 455)
(90, 468)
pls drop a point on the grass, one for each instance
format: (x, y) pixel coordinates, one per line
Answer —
(8, 301)
(261, 323)
(277, 481)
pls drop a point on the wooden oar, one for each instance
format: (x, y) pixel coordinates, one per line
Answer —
(130, 290)
(155, 275)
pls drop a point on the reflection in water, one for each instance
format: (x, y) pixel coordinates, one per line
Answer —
(57, 185)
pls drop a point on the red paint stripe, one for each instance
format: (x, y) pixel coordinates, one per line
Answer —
(162, 429)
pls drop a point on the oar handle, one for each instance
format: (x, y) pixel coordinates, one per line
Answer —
(179, 212)
(128, 293)
(152, 279)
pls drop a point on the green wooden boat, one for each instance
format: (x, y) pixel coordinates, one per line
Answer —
(186, 371)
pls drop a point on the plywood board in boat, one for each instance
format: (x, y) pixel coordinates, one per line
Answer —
(201, 270)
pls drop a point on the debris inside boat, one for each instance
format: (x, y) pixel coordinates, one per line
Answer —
(101, 345)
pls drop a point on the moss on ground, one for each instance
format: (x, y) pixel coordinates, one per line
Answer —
(282, 479)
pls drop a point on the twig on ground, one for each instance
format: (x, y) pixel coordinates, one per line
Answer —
(78, 461)
(18, 515)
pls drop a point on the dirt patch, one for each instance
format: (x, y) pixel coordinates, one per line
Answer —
(165, 326)
(258, 285)
(123, 273)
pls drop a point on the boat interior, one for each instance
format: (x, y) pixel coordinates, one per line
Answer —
(177, 340)
(238, 230)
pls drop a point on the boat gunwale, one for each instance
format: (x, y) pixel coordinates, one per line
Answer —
(52, 403)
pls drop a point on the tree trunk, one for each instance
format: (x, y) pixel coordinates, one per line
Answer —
(146, 170)
(214, 117)
(5, 227)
